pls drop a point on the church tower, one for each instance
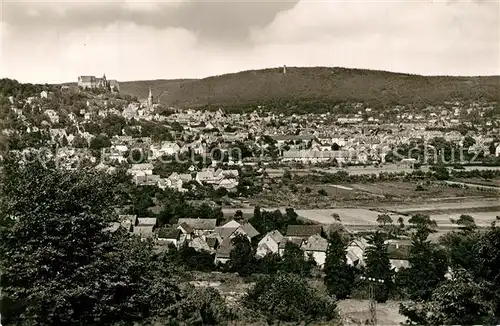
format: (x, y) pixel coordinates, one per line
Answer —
(150, 100)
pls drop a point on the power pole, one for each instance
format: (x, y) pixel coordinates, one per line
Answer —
(372, 301)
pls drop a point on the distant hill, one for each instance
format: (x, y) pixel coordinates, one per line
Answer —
(320, 86)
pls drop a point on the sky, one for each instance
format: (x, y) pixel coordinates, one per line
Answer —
(56, 41)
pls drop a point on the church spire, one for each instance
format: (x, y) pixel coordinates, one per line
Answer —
(150, 94)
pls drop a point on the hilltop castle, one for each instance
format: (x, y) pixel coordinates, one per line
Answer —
(93, 82)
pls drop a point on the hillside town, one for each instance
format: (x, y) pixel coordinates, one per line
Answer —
(266, 192)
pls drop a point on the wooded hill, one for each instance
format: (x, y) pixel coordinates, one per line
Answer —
(317, 86)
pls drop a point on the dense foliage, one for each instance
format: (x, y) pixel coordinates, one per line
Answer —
(60, 264)
(306, 90)
(339, 276)
(288, 297)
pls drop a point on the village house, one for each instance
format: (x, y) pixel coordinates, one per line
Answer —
(222, 254)
(170, 236)
(141, 169)
(200, 226)
(356, 251)
(145, 227)
(316, 246)
(303, 231)
(165, 148)
(269, 244)
(200, 244)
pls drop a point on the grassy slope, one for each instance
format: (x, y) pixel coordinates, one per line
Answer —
(317, 84)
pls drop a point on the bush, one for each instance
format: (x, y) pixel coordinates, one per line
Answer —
(289, 298)
(322, 192)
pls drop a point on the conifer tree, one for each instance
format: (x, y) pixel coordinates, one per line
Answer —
(378, 265)
(339, 276)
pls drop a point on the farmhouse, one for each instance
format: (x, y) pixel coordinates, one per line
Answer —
(269, 244)
(316, 245)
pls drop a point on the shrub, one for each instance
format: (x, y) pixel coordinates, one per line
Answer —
(289, 298)
(322, 192)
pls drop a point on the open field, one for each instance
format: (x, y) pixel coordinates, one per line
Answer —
(363, 170)
(480, 181)
(463, 204)
(388, 193)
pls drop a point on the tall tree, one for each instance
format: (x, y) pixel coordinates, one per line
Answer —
(339, 276)
(378, 265)
(460, 246)
(428, 266)
(294, 260)
(241, 257)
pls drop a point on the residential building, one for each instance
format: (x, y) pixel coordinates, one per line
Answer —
(269, 244)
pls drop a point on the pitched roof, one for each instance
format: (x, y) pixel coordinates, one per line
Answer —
(231, 224)
(225, 232)
(297, 241)
(186, 227)
(275, 235)
(169, 233)
(224, 249)
(143, 230)
(146, 221)
(303, 231)
(200, 223)
(86, 78)
(315, 243)
(249, 230)
(199, 244)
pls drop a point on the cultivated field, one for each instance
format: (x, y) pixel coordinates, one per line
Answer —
(462, 204)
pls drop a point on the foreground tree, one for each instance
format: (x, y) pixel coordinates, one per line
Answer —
(428, 264)
(339, 276)
(60, 263)
(289, 298)
(241, 257)
(458, 301)
(378, 265)
(460, 246)
(294, 260)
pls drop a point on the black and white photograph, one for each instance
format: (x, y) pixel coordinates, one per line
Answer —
(249, 162)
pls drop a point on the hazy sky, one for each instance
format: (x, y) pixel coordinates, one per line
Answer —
(55, 41)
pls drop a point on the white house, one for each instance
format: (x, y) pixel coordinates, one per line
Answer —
(269, 244)
(317, 246)
(141, 169)
(355, 252)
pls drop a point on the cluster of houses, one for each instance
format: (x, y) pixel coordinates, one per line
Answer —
(142, 174)
(308, 138)
(204, 234)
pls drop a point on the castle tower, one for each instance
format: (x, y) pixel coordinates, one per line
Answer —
(150, 99)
